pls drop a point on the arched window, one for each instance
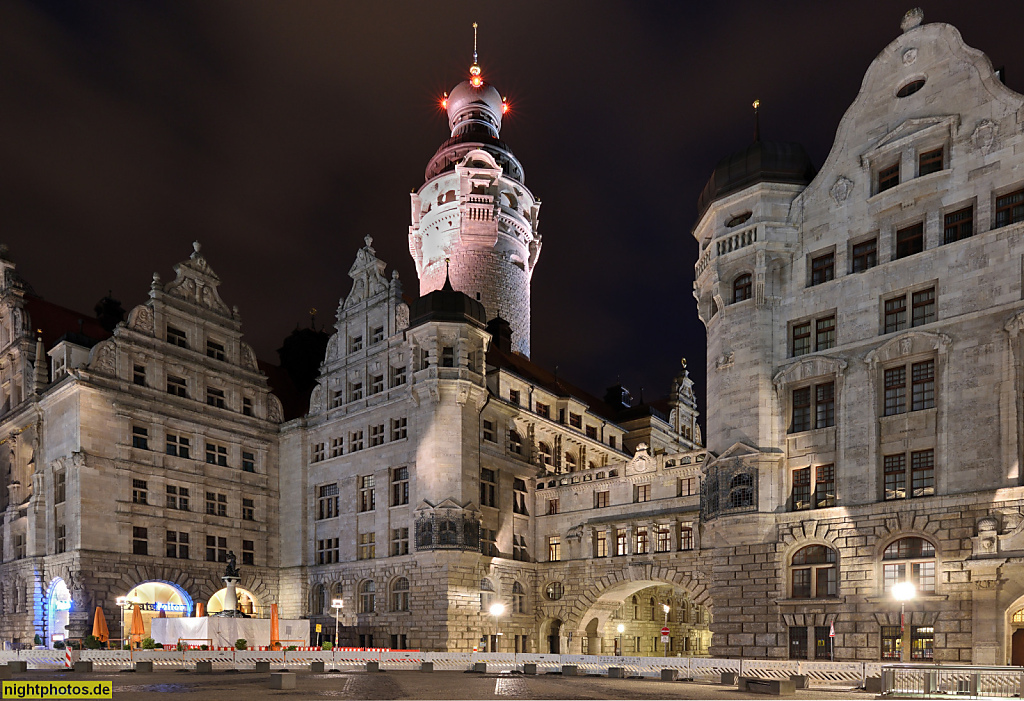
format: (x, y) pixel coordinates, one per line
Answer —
(570, 461)
(317, 599)
(515, 443)
(654, 609)
(741, 287)
(367, 596)
(337, 592)
(814, 573)
(636, 609)
(518, 598)
(400, 594)
(741, 491)
(909, 560)
(545, 455)
(486, 594)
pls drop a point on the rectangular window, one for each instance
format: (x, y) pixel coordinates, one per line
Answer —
(337, 447)
(140, 437)
(554, 548)
(823, 268)
(177, 497)
(643, 540)
(248, 552)
(179, 446)
(140, 541)
(801, 490)
(139, 375)
(355, 344)
(929, 162)
(822, 643)
(895, 474)
(601, 499)
(688, 486)
(825, 405)
(888, 177)
(621, 542)
(519, 551)
(922, 643)
(798, 642)
(399, 429)
(248, 462)
(216, 454)
(215, 397)
(139, 492)
(377, 335)
(60, 544)
(825, 486)
(327, 551)
(376, 384)
(177, 545)
(60, 482)
(1009, 209)
(214, 350)
(447, 357)
(246, 406)
(544, 410)
(488, 542)
(376, 435)
(355, 441)
(865, 255)
(922, 382)
(399, 541)
(367, 496)
(248, 510)
(922, 473)
(575, 420)
(552, 507)
(891, 643)
(177, 386)
(176, 337)
(327, 501)
(663, 538)
(216, 549)
(488, 487)
(895, 391)
(337, 398)
(318, 452)
(641, 493)
(801, 410)
(399, 486)
(802, 582)
(895, 314)
(825, 333)
(355, 391)
(910, 240)
(686, 538)
(801, 341)
(513, 396)
(367, 546)
(592, 432)
(922, 307)
(519, 497)
(489, 431)
(600, 544)
(958, 225)
(216, 504)
(397, 376)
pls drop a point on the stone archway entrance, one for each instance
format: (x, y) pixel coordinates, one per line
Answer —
(1017, 638)
(626, 619)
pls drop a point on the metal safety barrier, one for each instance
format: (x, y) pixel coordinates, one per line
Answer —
(961, 681)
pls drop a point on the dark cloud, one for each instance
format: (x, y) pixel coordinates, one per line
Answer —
(279, 134)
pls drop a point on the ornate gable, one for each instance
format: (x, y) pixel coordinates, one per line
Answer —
(367, 273)
(195, 282)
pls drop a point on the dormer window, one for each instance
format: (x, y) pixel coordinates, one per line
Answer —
(738, 219)
(355, 344)
(214, 350)
(176, 337)
(889, 177)
(929, 162)
(378, 335)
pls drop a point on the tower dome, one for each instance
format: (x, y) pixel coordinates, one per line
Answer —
(473, 108)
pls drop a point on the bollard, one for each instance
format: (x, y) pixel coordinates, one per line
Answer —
(529, 668)
(616, 673)
(144, 667)
(373, 666)
(204, 667)
(426, 666)
(799, 681)
(480, 667)
(17, 666)
(669, 675)
(873, 685)
(83, 666)
(730, 678)
(263, 668)
(316, 667)
(282, 680)
(568, 670)
(5, 671)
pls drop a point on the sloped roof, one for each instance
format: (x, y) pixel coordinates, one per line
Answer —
(55, 321)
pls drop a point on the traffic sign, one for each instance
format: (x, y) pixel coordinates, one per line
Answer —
(319, 628)
(665, 631)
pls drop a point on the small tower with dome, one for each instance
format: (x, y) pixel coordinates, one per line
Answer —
(474, 210)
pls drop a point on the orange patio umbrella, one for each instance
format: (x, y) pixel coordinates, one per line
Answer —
(138, 629)
(274, 632)
(162, 614)
(200, 610)
(99, 626)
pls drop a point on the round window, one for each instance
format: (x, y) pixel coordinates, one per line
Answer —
(910, 88)
(554, 591)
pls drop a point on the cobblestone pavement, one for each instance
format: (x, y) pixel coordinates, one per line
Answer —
(236, 686)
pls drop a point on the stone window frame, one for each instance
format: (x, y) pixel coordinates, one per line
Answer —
(812, 323)
(518, 598)
(743, 282)
(909, 304)
(853, 255)
(810, 371)
(367, 596)
(956, 209)
(787, 557)
(1016, 188)
(399, 591)
(880, 562)
(814, 568)
(819, 261)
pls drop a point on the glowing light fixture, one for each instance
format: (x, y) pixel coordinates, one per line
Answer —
(620, 628)
(904, 591)
(497, 609)
(474, 71)
(444, 101)
(504, 105)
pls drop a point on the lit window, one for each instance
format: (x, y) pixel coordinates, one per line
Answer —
(909, 560)
(554, 548)
(367, 546)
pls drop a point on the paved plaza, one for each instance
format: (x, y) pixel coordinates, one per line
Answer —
(230, 686)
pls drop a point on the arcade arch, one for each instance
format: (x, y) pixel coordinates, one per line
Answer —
(153, 597)
(246, 602)
(57, 606)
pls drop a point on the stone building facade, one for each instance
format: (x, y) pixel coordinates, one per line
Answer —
(864, 371)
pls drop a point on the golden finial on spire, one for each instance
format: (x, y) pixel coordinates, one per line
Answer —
(474, 71)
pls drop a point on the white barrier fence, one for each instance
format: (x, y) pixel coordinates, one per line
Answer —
(697, 668)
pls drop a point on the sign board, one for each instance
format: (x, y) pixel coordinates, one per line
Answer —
(665, 631)
(318, 628)
(664, 638)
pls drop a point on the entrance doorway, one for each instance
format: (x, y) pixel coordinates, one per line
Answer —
(1017, 648)
(554, 637)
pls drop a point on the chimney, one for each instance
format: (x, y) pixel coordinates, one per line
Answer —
(501, 333)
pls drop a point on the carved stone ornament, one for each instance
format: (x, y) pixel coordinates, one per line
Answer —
(195, 282)
(274, 411)
(912, 19)
(984, 137)
(104, 358)
(316, 400)
(641, 461)
(909, 56)
(841, 189)
(141, 320)
(725, 360)
(248, 357)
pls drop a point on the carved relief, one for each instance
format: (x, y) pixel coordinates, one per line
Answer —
(274, 411)
(810, 367)
(104, 358)
(841, 189)
(984, 137)
(909, 56)
(248, 357)
(141, 320)
(316, 400)
(907, 344)
(642, 461)
(724, 361)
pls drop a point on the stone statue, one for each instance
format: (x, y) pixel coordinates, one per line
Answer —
(232, 567)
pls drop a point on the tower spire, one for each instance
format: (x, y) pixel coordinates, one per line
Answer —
(757, 121)
(474, 71)
(474, 43)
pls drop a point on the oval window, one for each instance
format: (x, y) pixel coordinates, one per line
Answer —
(554, 591)
(910, 88)
(738, 219)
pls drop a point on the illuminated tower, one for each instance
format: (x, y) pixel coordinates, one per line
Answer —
(474, 211)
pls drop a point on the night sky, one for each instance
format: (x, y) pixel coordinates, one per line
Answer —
(278, 134)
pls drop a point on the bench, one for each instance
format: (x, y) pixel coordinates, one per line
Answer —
(773, 687)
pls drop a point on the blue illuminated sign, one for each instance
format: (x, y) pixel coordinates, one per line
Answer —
(59, 605)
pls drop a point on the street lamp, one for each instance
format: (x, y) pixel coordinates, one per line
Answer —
(337, 605)
(497, 609)
(903, 592)
(620, 628)
(121, 601)
(666, 608)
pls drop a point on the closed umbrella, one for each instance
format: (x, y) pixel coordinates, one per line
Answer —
(274, 632)
(138, 629)
(99, 626)
(200, 610)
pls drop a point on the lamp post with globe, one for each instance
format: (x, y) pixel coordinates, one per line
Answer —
(497, 610)
(620, 629)
(903, 592)
(666, 608)
(337, 605)
(121, 601)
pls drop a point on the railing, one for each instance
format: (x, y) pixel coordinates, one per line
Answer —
(961, 681)
(734, 242)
